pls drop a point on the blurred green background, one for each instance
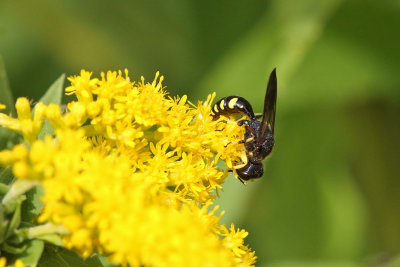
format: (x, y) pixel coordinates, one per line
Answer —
(330, 195)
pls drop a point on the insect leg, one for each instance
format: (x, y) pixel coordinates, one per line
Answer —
(240, 179)
(246, 140)
(245, 122)
(251, 131)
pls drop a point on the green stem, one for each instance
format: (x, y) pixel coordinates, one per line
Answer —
(18, 188)
(46, 229)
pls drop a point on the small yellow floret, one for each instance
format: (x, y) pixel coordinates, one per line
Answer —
(23, 108)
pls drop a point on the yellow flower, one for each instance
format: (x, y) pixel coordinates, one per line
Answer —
(132, 173)
(82, 86)
(29, 127)
(18, 263)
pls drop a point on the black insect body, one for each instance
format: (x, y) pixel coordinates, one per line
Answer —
(232, 105)
(259, 136)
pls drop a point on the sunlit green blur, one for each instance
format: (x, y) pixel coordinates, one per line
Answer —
(330, 195)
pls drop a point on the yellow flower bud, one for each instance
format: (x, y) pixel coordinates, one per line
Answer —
(23, 108)
(20, 152)
(21, 170)
(93, 109)
(19, 263)
(53, 114)
(39, 115)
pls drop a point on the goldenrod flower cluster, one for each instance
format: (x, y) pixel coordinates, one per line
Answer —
(131, 172)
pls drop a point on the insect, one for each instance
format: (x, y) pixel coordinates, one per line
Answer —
(259, 135)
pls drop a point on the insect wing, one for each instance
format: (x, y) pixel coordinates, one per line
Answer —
(268, 119)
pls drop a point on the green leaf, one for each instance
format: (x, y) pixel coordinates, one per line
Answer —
(94, 261)
(5, 92)
(16, 194)
(32, 207)
(60, 257)
(3, 226)
(16, 239)
(15, 221)
(32, 253)
(97, 260)
(13, 249)
(6, 176)
(54, 239)
(1, 216)
(46, 130)
(54, 93)
(3, 189)
(9, 138)
(12, 204)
